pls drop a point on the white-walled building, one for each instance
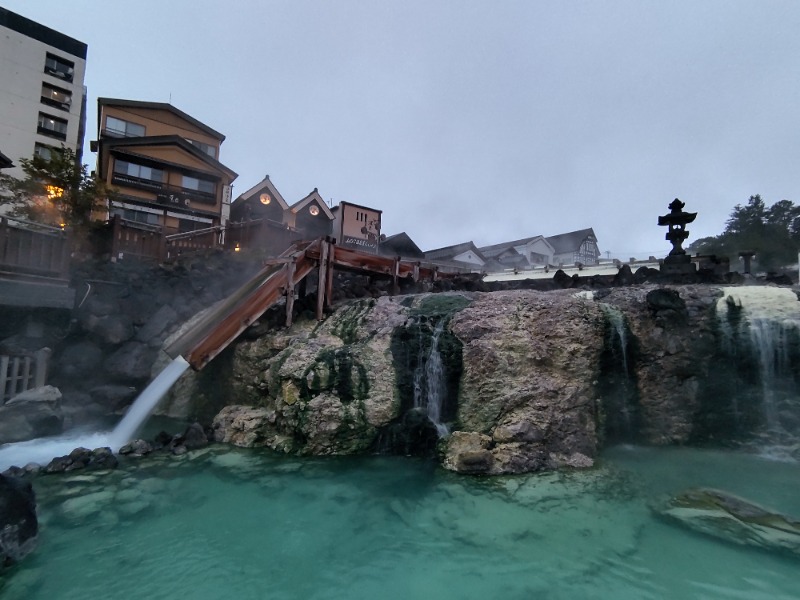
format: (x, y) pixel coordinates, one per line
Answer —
(42, 97)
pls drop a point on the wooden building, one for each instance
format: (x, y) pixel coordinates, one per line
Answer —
(164, 165)
(356, 226)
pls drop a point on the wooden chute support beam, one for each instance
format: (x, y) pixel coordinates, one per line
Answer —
(321, 280)
(290, 268)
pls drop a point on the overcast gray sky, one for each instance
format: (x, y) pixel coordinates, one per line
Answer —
(487, 121)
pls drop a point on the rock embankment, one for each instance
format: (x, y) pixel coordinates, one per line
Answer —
(538, 376)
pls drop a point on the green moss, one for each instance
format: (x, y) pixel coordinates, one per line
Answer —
(440, 305)
(345, 375)
(348, 319)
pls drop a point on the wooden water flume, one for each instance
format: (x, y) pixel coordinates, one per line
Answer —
(277, 280)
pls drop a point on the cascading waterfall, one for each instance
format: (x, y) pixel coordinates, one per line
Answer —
(429, 383)
(618, 333)
(618, 387)
(767, 320)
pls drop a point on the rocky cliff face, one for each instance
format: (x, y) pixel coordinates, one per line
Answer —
(543, 379)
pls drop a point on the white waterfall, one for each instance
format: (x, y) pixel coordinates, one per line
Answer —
(146, 402)
(768, 318)
(429, 383)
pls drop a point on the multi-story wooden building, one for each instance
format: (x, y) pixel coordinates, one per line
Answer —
(164, 165)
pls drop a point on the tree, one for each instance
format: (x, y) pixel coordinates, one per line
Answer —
(57, 190)
(773, 233)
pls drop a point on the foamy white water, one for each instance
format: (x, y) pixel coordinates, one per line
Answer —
(43, 450)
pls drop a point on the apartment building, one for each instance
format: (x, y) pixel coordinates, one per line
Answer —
(164, 165)
(42, 96)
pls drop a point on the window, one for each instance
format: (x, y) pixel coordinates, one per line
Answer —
(57, 97)
(119, 128)
(52, 126)
(139, 171)
(136, 215)
(200, 185)
(43, 151)
(210, 150)
(59, 67)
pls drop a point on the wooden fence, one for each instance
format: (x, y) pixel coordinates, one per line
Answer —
(20, 373)
(33, 248)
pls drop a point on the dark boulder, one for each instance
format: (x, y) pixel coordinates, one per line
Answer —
(31, 414)
(18, 524)
(195, 437)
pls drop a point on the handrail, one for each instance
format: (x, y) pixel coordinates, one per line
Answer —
(190, 234)
(29, 224)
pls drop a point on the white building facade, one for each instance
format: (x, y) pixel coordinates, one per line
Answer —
(42, 96)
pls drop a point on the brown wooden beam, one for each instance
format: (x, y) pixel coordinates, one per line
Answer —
(321, 283)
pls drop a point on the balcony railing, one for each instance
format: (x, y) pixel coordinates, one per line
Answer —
(171, 195)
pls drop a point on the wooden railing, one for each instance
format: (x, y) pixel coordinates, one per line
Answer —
(21, 373)
(33, 248)
(136, 240)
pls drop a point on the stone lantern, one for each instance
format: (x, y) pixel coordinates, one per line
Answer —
(677, 262)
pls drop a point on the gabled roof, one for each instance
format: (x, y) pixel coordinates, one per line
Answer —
(400, 244)
(569, 242)
(168, 140)
(5, 162)
(314, 195)
(496, 249)
(157, 106)
(259, 187)
(448, 252)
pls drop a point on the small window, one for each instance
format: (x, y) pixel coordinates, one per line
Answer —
(200, 185)
(56, 97)
(59, 67)
(52, 126)
(119, 128)
(208, 149)
(138, 216)
(43, 151)
(138, 171)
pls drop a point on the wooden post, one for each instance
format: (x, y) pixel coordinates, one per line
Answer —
(289, 292)
(3, 244)
(321, 280)
(14, 377)
(395, 273)
(26, 375)
(415, 274)
(66, 254)
(329, 274)
(3, 378)
(42, 360)
(115, 237)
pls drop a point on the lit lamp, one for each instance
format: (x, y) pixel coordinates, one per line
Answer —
(236, 247)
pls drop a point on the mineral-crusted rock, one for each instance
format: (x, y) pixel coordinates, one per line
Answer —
(530, 365)
(242, 426)
(725, 516)
(326, 391)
